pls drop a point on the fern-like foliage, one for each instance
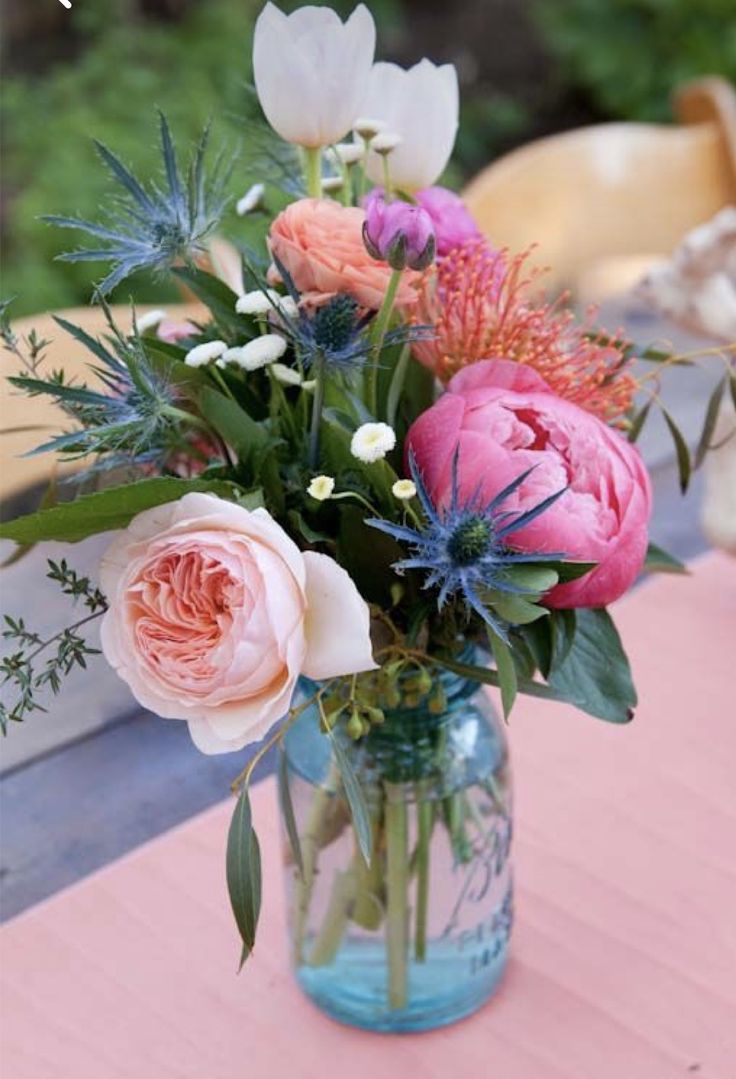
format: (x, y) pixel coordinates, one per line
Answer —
(153, 226)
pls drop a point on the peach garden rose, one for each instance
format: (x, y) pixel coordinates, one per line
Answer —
(215, 612)
(321, 245)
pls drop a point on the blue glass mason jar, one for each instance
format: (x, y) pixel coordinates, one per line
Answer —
(417, 938)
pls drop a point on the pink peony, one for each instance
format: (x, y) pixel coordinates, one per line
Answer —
(320, 243)
(505, 419)
(214, 613)
(453, 222)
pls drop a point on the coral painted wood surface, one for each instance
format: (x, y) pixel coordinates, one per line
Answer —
(624, 955)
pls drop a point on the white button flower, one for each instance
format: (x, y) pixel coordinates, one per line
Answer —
(422, 106)
(372, 441)
(404, 490)
(321, 488)
(262, 351)
(201, 355)
(149, 321)
(311, 71)
(250, 200)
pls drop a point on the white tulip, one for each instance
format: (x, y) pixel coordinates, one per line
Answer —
(311, 71)
(420, 105)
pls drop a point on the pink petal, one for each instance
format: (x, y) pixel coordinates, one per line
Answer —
(337, 624)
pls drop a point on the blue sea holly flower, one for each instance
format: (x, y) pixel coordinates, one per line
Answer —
(336, 334)
(155, 226)
(464, 547)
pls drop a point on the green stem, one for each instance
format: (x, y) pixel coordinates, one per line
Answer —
(386, 179)
(425, 820)
(396, 899)
(220, 380)
(397, 385)
(379, 332)
(310, 843)
(313, 171)
(328, 939)
(317, 403)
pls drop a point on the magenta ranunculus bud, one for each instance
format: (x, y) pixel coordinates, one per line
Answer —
(453, 222)
(398, 233)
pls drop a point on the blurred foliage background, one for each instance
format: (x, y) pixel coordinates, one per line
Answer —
(527, 68)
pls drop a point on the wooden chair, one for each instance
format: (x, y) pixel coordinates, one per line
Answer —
(602, 203)
(20, 412)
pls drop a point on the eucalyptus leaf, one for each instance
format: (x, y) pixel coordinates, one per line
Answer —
(112, 508)
(506, 671)
(638, 422)
(287, 812)
(709, 424)
(243, 871)
(356, 799)
(488, 677)
(681, 451)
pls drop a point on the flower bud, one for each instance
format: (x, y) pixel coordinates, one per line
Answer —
(399, 234)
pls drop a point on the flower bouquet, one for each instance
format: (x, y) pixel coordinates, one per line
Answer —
(376, 475)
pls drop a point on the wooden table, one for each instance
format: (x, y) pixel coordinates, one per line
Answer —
(624, 954)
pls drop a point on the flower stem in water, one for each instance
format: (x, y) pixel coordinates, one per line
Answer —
(425, 821)
(397, 913)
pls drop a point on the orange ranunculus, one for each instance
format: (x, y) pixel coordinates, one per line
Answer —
(321, 245)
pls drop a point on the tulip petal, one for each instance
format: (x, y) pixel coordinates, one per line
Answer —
(337, 624)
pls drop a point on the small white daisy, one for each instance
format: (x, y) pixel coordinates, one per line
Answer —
(321, 488)
(372, 441)
(201, 355)
(404, 490)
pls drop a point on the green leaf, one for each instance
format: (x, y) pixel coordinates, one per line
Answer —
(638, 422)
(661, 561)
(311, 535)
(252, 500)
(506, 671)
(243, 870)
(516, 610)
(533, 578)
(367, 555)
(217, 296)
(287, 812)
(356, 799)
(538, 637)
(709, 424)
(681, 450)
(250, 439)
(595, 674)
(105, 510)
(569, 571)
(563, 626)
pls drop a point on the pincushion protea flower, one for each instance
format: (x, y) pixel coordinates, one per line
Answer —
(481, 305)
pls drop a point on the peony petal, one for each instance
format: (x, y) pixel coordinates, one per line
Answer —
(337, 625)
